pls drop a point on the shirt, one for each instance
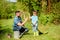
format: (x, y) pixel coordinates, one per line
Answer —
(16, 21)
(34, 19)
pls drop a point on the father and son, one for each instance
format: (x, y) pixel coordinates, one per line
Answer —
(19, 28)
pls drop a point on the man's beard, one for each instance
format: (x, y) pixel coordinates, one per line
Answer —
(18, 16)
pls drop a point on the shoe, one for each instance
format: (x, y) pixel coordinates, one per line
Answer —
(37, 33)
(34, 34)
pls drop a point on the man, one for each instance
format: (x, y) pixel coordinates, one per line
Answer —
(18, 25)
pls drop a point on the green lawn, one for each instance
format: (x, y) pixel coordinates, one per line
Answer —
(53, 31)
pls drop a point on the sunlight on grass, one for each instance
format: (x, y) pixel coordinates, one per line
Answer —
(53, 31)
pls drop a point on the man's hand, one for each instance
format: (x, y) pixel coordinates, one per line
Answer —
(21, 24)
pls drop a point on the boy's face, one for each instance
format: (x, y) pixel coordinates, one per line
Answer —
(34, 13)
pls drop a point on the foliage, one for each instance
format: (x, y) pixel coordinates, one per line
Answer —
(6, 9)
(44, 19)
(49, 18)
(31, 5)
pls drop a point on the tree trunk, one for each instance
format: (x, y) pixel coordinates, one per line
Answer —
(48, 5)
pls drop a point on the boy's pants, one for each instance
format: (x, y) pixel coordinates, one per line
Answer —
(35, 27)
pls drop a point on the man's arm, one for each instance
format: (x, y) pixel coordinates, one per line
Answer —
(21, 24)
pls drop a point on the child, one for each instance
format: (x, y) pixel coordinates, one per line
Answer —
(34, 19)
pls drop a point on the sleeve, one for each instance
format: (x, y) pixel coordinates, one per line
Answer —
(16, 20)
(31, 17)
(37, 19)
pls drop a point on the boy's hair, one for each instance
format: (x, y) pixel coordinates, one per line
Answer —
(35, 11)
(17, 12)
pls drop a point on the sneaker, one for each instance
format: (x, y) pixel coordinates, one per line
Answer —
(37, 33)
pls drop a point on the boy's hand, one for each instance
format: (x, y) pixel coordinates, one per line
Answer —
(26, 19)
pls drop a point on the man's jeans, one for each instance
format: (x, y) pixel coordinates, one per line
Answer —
(16, 34)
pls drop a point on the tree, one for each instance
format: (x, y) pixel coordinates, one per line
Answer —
(6, 9)
(48, 5)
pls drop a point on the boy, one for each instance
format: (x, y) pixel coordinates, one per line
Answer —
(34, 19)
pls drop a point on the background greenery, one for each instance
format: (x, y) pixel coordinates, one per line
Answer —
(48, 14)
(49, 10)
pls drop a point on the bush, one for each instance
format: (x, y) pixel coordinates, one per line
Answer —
(48, 18)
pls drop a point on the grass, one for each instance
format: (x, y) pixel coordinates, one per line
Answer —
(6, 26)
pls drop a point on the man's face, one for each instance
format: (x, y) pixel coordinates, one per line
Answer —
(18, 14)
